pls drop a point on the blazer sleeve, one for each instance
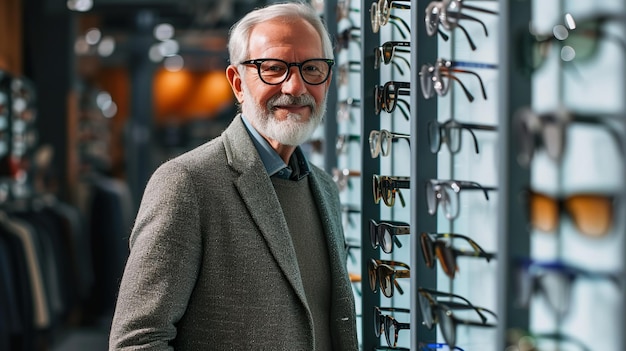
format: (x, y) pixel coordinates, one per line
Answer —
(164, 261)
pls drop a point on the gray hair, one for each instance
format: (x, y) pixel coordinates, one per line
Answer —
(238, 43)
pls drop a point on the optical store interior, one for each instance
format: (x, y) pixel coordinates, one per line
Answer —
(478, 147)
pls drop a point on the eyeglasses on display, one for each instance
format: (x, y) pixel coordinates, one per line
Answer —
(448, 14)
(387, 96)
(591, 213)
(344, 140)
(347, 36)
(380, 141)
(446, 194)
(386, 187)
(342, 177)
(519, 340)
(433, 247)
(274, 71)
(422, 347)
(388, 325)
(385, 233)
(577, 40)
(381, 273)
(379, 19)
(379, 101)
(547, 131)
(554, 280)
(387, 52)
(345, 108)
(435, 79)
(449, 132)
(441, 312)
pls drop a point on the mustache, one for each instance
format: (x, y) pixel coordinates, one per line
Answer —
(281, 100)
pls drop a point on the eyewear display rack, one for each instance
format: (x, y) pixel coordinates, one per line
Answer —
(501, 224)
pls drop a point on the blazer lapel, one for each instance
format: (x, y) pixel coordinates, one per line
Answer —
(257, 192)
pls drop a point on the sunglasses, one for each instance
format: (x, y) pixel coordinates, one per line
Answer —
(547, 131)
(577, 40)
(384, 234)
(554, 280)
(433, 248)
(591, 213)
(386, 324)
(449, 132)
(381, 273)
(446, 194)
(380, 141)
(447, 13)
(441, 312)
(386, 187)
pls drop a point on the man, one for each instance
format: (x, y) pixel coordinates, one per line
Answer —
(238, 244)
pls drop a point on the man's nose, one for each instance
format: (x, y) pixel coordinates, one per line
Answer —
(294, 84)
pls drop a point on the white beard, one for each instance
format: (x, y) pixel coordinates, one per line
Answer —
(291, 131)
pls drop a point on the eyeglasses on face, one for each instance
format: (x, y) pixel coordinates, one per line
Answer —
(449, 132)
(446, 194)
(433, 247)
(547, 131)
(577, 40)
(380, 141)
(591, 213)
(380, 101)
(385, 187)
(385, 233)
(386, 53)
(435, 79)
(448, 13)
(381, 273)
(274, 71)
(441, 312)
(554, 280)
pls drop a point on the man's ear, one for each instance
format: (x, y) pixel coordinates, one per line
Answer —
(232, 74)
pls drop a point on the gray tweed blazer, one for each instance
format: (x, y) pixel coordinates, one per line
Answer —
(212, 266)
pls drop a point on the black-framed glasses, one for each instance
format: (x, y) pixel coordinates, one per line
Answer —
(274, 71)
(592, 213)
(436, 79)
(380, 141)
(380, 104)
(381, 273)
(348, 35)
(441, 312)
(386, 53)
(446, 194)
(547, 131)
(447, 13)
(433, 247)
(384, 234)
(577, 40)
(386, 187)
(554, 280)
(449, 132)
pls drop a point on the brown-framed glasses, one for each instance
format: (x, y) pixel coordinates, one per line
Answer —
(381, 273)
(433, 247)
(380, 104)
(437, 79)
(387, 52)
(386, 187)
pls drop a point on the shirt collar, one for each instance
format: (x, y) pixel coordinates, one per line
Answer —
(298, 166)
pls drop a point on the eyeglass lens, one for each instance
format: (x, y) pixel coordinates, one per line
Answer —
(591, 213)
(315, 71)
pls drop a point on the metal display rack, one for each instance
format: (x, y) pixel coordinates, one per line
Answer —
(501, 224)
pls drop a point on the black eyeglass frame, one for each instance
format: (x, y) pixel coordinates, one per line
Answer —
(259, 62)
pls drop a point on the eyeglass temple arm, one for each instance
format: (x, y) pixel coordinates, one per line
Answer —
(471, 18)
(478, 251)
(480, 80)
(394, 19)
(469, 95)
(467, 303)
(590, 119)
(475, 186)
(469, 38)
